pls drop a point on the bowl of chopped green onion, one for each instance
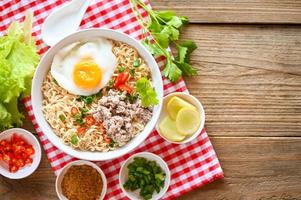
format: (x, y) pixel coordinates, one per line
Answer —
(144, 176)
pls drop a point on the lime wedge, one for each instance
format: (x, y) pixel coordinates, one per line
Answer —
(175, 104)
(188, 121)
(169, 131)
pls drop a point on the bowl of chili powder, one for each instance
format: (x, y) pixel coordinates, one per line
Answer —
(81, 180)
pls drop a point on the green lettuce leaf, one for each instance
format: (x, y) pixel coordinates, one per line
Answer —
(18, 60)
(5, 118)
(16, 116)
(9, 87)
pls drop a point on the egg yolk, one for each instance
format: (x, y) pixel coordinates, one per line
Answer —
(87, 74)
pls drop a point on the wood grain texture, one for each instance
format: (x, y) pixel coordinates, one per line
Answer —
(255, 169)
(235, 11)
(38, 186)
(249, 79)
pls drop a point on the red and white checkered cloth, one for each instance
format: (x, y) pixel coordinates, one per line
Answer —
(192, 165)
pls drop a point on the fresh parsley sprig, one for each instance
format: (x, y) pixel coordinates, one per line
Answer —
(165, 27)
(146, 92)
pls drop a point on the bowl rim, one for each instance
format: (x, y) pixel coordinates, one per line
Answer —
(36, 161)
(83, 162)
(81, 35)
(142, 154)
(202, 113)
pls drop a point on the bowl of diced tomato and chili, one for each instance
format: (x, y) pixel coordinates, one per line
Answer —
(20, 153)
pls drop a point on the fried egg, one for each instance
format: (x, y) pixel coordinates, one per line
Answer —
(84, 68)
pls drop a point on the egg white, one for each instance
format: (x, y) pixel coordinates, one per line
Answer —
(100, 50)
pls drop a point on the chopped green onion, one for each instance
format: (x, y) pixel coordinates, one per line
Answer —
(78, 116)
(145, 175)
(82, 98)
(136, 63)
(79, 121)
(74, 139)
(159, 176)
(62, 117)
(111, 83)
(87, 99)
(55, 81)
(83, 110)
(132, 72)
(139, 169)
(121, 69)
(148, 196)
(132, 98)
(112, 143)
(99, 94)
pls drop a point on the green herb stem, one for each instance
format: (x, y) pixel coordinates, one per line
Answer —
(164, 27)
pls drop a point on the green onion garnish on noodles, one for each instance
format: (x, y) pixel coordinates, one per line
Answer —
(136, 63)
(62, 117)
(74, 139)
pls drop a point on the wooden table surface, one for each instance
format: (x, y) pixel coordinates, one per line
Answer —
(249, 61)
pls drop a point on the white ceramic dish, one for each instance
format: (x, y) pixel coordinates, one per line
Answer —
(28, 169)
(44, 67)
(191, 99)
(63, 171)
(123, 175)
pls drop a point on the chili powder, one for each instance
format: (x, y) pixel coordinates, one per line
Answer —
(82, 182)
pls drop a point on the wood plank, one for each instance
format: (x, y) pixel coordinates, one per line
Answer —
(249, 78)
(255, 168)
(235, 11)
(38, 186)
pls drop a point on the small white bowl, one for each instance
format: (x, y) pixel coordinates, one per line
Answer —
(123, 175)
(190, 99)
(63, 171)
(27, 169)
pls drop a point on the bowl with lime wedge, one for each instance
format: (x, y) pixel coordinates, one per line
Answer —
(182, 118)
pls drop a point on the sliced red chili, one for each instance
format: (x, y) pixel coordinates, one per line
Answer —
(90, 120)
(19, 155)
(107, 140)
(121, 78)
(13, 168)
(125, 88)
(101, 128)
(16, 139)
(16, 152)
(3, 143)
(13, 161)
(28, 161)
(81, 130)
(17, 149)
(74, 110)
(23, 155)
(7, 157)
(29, 151)
(20, 163)
(7, 148)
